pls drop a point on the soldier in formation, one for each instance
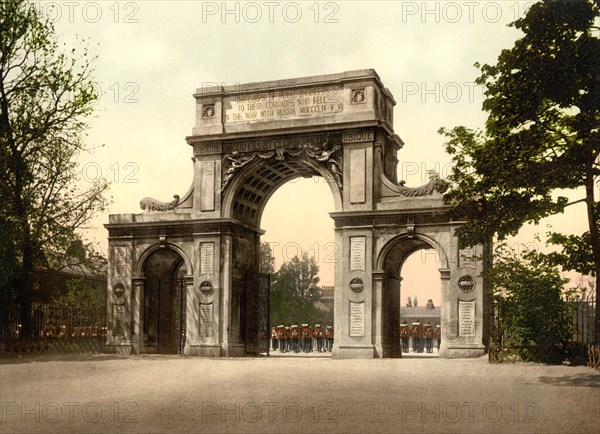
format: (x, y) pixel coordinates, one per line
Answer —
(428, 333)
(274, 343)
(416, 333)
(295, 332)
(303, 338)
(329, 338)
(319, 335)
(282, 338)
(405, 336)
(306, 338)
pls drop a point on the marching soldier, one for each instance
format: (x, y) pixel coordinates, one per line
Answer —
(438, 335)
(404, 335)
(306, 338)
(274, 343)
(328, 338)
(295, 332)
(416, 335)
(282, 337)
(318, 334)
(428, 333)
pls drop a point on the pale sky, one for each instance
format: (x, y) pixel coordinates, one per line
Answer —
(154, 54)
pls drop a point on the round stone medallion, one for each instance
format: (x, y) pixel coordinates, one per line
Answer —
(119, 290)
(357, 285)
(466, 283)
(206, 288)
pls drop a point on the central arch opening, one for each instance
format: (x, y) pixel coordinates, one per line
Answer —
(258, 177)
(299, 236)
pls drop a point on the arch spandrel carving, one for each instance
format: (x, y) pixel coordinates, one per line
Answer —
(248, 192)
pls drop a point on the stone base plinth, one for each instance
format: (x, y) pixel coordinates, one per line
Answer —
(463, 352)
(233, 350)
(121, 349)
(353, 352)
(202, 350)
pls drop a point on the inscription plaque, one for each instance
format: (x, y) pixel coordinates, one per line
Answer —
(466, 258)
(357, 253)
(207, 258)
(357, 136)
(283, 104)
(466, 318)
(120, 261)
(357, 319)
(119, 320)
(206, 319)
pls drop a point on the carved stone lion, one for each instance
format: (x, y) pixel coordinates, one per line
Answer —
(435, 184)
(151, 204)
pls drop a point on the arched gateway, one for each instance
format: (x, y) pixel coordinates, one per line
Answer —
(200, 251)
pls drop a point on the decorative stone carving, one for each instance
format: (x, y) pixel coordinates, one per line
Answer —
(435, 184)
(151, 204)
(466, 283)
(208, 111)
(410, 226)
(358, 96)
(234, 162)
(325, 156)
(356, 285)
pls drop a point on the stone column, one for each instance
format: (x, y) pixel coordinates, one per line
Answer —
(378, 317)
(225, 295)
(448, 331)
(137, 325)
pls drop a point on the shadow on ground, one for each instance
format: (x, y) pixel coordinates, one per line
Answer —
(54, 357)
(580, 380)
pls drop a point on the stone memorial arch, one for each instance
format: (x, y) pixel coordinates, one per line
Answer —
(183, 275)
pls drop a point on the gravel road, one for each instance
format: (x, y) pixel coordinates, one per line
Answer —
(139, 394)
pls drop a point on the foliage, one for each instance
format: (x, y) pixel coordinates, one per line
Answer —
(577, 254)
(266, 259)
(79, 292)
(528, 294)
(295, 290)
(45, 98)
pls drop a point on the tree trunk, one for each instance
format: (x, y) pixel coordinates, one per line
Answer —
(27, 284)
(595, 239)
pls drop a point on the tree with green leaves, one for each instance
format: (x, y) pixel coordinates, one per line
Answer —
(46, 97)
(528, 295)
(266, 259)
(542, 133)
(295, 290)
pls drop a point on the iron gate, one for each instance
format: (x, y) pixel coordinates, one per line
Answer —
(257, 303)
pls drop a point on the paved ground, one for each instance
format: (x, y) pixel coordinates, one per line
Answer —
(94, 394)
